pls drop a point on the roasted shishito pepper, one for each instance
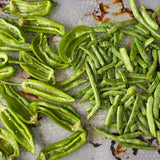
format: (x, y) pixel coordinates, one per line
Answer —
(58, 114)
(63, 148)
(19, 104)
(6, 72)
(18, 129)
(8, 145)
(30, 8)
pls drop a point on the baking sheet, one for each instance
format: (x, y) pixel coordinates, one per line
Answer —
(72, 13)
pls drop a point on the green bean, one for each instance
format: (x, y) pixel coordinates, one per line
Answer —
(141, 86)
(74, 84)
(132, 116)
(120, 37)
(131, 135)
(90, 53)
(99, 29)
(157, 123)
(153, 67)
(156, 102)
(142, 118)
(136, 76)
(141, 27)
(137, 146)
(112, 93)
(86, 96)
(142, 107)
(115, 35)
(137, 30)
(159, 56)
(111, 112)
(104, 55)
(77, 74)
(117, 74)
(105, 24)
(105, 44)
(158, 136)
(129, 102)
(133, 128)
(114, 125)
(82, 91)
(124, 79)
(110, 74)
(150, 116)
(153, 85)
(120, 119)
(130, 92)
(77, 58)
(95, 90)
(149, 21)
(115, 51)
(148, 42)
(81, 61)
(95, 50)
(133, 50)
(117, 138)
(126, 59)
(141, 20)
(119, 64)
(141, 62)
(115, 88)
(143, 128)
(154, 15)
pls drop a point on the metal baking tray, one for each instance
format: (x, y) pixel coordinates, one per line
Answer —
(72, 13)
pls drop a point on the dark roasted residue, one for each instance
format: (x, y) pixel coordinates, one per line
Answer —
(30, 95)
(158, 151)
(95, 144)
(119, 149)
(150, 141)
(135, 151)
(113, 150)
(30, 126)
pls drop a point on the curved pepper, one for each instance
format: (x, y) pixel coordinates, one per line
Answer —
(19, 104)
(18, 129)
(31, 8)
(60, 115)
(12, 29)
(43, 52)
(41, 24)
(62, 148)
(6, 72)
(3, 59)
(9, 43)
(71, 41)
(8, 144)
(35, 68)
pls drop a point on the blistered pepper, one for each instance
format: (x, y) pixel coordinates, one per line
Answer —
(58, 114)
(30, 8)
(3, 59)
(35, 68)
(71, 41)
(41, 24)
(19, 104)
(63, 148)
(8, 145)
(43, 52)
(18, 129)
(6, 72)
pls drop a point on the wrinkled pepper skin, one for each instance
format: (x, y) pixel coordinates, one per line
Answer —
(8, 145)
(71, 41)
(30, 8)
(63, 148)
(35, 68)
(59, 115)
(19, 104)
(41, 24)
(17, 128)
(6, 72)
(13, 29)
(46, 91)
(3, 59)
(43, 52)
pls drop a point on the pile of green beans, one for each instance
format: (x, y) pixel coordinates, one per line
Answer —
(122, 80)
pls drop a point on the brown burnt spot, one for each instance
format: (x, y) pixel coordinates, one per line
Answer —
(86, 15)
(40, 135)
(30, 126)
(30, 95)
(116, 1)
(113, 150)
(149, 10)
(105, 6)
(119, 149)
(135, 151)
(107, 19)
(30, 77)
(51, 39)
(115, 133)
(95, 144)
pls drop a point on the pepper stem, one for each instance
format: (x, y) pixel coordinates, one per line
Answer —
(10, 83)
(15, 62)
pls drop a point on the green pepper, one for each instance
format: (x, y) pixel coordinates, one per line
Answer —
(31, 8)
(40, 24)
(13, 29)
(43, 90)
(6, 72)
(8, 145)
(19, 104)
(18, 129)
(43, 52)
(3, 59)
(62, 148)
(60, 115)
(1, 155)
(71, 41)
(35, 68)
(9, 43)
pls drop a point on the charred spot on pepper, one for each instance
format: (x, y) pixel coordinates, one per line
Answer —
(30, 95)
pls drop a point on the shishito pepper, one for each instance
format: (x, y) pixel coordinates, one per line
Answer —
(43, 52)
(30, 8)
(19, 104)
(3, 59)
(63, 148)
(18, 129)
(35, 68)
(43, 90)
(6, 72)
(40, 24)
(59, 115)
(8, 144)
(71, 41)
(13, 29)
